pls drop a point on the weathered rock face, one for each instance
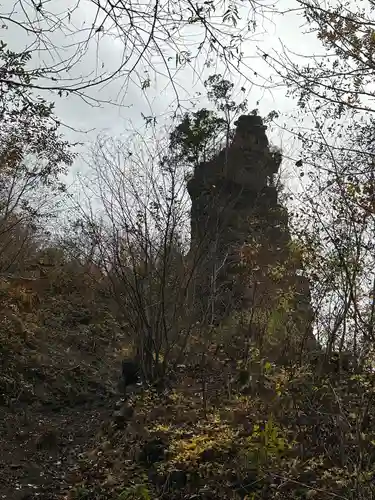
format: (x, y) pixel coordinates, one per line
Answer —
(240, 238)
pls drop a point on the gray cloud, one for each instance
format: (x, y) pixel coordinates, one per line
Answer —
(130, 102)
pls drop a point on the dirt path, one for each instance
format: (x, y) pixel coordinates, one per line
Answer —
(39, 447)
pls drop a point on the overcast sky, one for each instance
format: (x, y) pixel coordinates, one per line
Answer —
(274, 31)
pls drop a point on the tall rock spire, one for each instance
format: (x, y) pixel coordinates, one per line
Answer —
(241, 234)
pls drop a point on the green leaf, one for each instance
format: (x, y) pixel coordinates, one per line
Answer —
(267, 366)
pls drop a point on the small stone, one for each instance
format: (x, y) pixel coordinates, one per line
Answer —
(107, 445)
(123, 415)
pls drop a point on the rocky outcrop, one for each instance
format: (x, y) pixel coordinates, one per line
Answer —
(240, 241)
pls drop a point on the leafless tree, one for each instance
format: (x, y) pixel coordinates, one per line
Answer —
(156, 38)
(340, 77)
(334, 222)
(137, 212)
(32, 159)
(333, 203)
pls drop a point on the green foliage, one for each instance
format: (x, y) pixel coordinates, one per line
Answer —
(220, 93)
(29, 129)
(267, 443)
(135, 492)
(80, 493)
(193, 138)
(215, 439)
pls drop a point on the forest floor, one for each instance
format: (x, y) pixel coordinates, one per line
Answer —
(41, 446)
(67, 432)
(56, 390)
